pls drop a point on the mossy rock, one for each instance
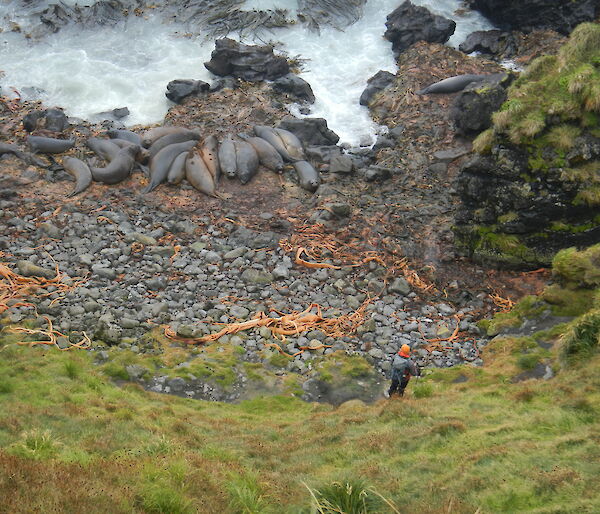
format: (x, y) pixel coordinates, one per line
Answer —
(578, 267)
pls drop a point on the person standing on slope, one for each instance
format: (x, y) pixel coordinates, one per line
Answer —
(403, 367)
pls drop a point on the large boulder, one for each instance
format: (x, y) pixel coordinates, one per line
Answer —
(560, 15)
(294, 86)
(410, 23)
(489, 42)
(378, 82)
(179, 89)
(311, 131)
(472, 109)
(252, 63)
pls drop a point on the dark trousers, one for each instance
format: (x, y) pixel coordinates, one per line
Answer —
(398, 384)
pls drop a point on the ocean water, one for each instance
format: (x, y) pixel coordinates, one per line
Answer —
(90, 71)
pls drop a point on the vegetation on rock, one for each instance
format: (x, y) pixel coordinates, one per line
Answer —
(539, 162)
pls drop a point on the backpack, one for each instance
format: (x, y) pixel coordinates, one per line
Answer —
(400, 366)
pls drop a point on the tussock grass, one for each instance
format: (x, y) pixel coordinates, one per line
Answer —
(564, 87)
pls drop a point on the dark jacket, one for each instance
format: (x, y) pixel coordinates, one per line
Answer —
(403, 367)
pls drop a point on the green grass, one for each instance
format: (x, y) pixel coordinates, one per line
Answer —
(123, 449)
(462, 439)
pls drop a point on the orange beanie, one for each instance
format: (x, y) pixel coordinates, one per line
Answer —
(405, 349)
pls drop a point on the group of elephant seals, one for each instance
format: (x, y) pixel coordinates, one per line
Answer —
(174, 153)
(451, 84)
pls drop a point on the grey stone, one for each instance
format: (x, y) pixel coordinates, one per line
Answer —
(235, 253)
(399, 286)
(341, 164)
(29, 269)
(254, 276)
(376, 353)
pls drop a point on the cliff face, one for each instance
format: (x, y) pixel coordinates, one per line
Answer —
(534, 187)
(560, 15)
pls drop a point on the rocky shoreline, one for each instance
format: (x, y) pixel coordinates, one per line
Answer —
(178, 260)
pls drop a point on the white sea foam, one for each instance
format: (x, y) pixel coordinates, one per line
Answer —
(89, 71)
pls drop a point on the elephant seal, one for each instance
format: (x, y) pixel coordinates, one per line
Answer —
(24, 156)
(275, 138)
(119, 167)
(271, 137)
(308, 176)
(209, 151)
(103, 148)
(267, 155)
(292, 143)
(49, 144)
(227, 157)
(142, 156)
(198, 174)
(151, 135)
(246, 160)
(177, 170)
(127, 135)
(451, 84)
(171, 139)
(80, 171)
(160, 164)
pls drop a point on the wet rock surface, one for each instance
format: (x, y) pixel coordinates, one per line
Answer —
(409, 24)
(549, 14)
(253, 63)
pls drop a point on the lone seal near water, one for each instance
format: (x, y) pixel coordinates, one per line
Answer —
(451, 84)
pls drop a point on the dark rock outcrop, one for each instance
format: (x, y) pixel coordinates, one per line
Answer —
(311, 131)
(53, 120)
(295, 86)
(253, 63)
(560, 15)
(490, 42)
(410, 23)
(472, 109)
(179, 89)
(378, 82)
(514, 219)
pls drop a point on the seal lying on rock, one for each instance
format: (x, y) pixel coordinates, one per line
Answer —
(288, 145)
(127, 135)
(103, 148)
(171, 139)
(25, 157)
(227, 157)
(267, 155)
(142, 154)
(308, 176)
(49, 144)
(209, 151)
(119, 167)
(80, 171)
(162, 161)
(151, 135)
(246, 160)
(451, 84)
(177, 170)
(198, 174)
